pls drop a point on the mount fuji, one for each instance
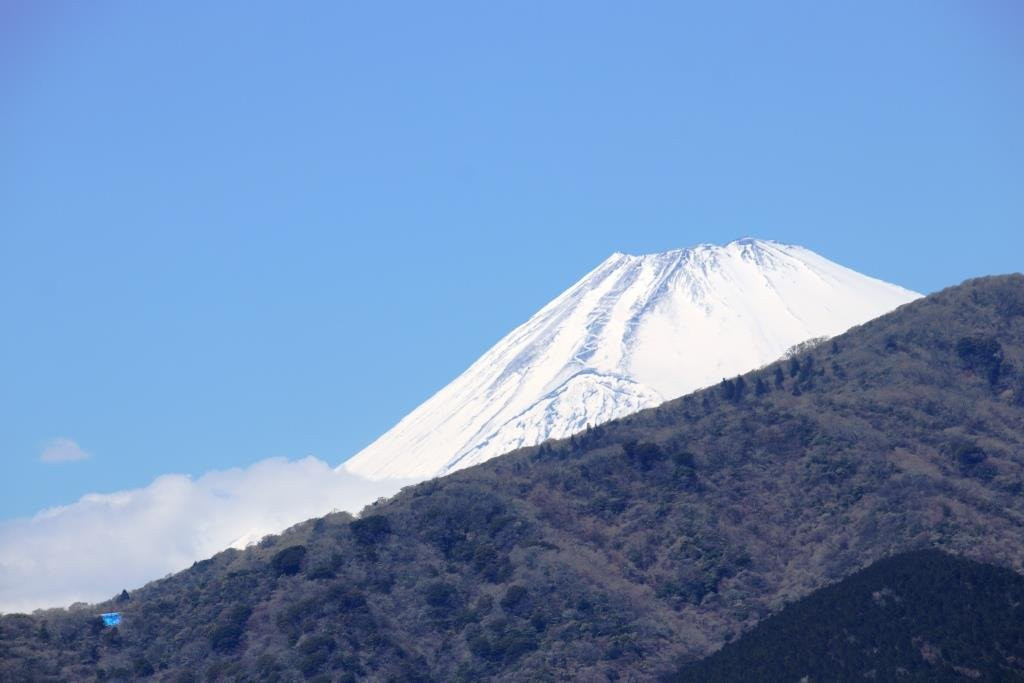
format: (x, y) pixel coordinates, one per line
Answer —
(634, 332)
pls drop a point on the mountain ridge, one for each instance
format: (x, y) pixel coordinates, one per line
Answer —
(621, 551)
(917, 616)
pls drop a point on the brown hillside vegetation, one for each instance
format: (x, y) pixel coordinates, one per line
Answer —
(623, 551)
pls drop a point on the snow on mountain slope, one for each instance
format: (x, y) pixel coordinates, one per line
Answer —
(634, 332)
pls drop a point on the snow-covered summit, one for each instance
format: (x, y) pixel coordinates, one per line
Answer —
(635, 331)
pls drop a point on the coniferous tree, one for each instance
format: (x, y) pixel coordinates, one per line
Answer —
(728, 390)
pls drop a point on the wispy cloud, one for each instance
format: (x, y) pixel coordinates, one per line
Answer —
(62, 450)
(93, 548)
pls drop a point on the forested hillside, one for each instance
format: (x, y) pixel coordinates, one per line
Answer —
(623, 551)
(917, 616)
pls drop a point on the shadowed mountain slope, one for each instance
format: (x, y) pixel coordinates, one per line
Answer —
(617, 553)
(918, 616)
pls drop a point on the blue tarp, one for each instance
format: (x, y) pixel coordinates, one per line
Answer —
(111, 618)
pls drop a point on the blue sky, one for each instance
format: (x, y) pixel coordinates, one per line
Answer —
(237, 230)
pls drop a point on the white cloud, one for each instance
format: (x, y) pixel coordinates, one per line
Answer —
(90, 550)
(62, 450)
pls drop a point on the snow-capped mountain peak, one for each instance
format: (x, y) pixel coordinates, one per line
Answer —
(635, 331)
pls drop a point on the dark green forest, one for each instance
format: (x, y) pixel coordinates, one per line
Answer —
(624, 551)
(917, 616)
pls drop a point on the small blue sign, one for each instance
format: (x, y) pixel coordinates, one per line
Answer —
(111, 618)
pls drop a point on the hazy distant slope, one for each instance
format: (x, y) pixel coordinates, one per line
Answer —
(613, 555)
(634, 332)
